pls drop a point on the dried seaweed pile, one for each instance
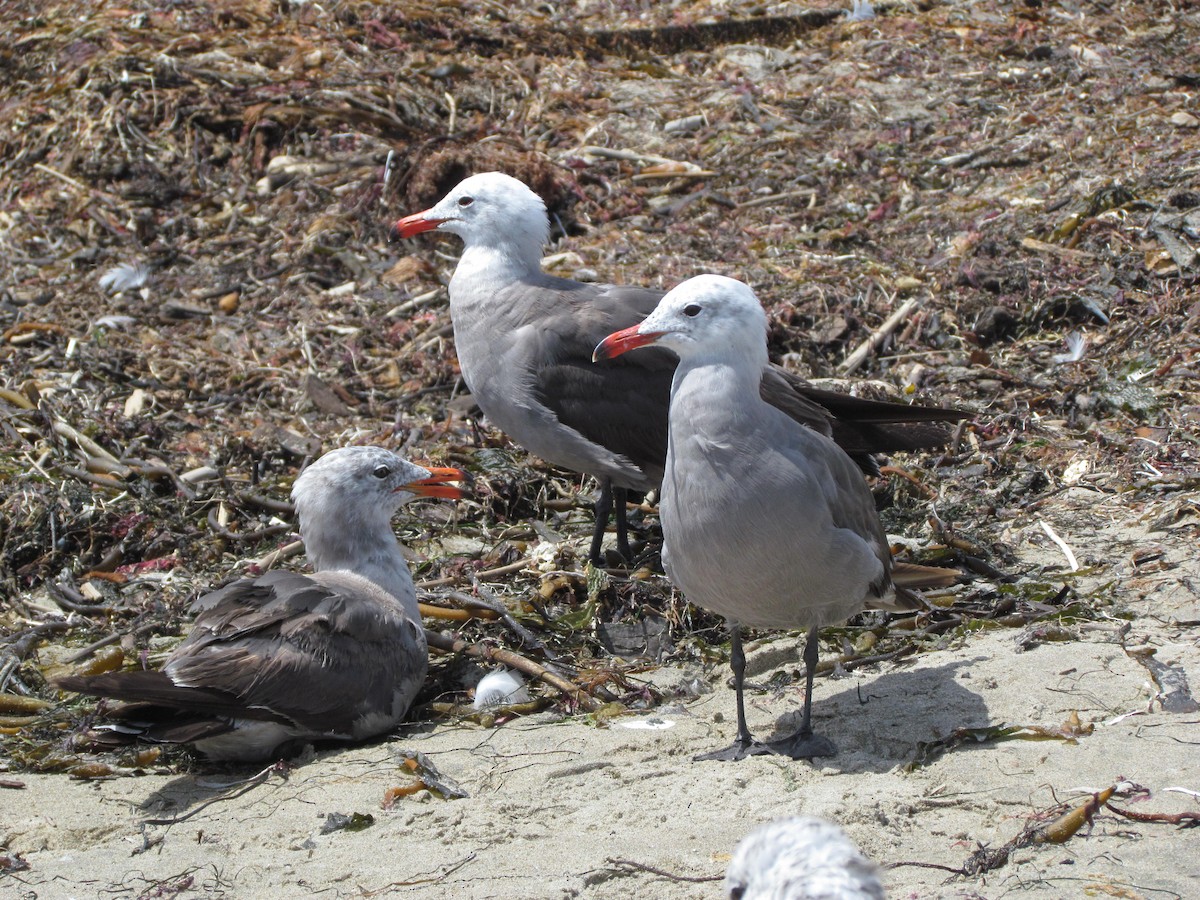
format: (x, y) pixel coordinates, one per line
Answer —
(198, 294)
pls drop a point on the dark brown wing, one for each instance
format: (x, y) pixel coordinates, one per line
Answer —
(620, 404)
(860, 427)
(316, 650)
(282, 647)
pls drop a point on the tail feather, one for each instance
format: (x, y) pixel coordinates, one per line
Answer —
(150, 689)
(913, 576)
(861, 410)
(908, 577)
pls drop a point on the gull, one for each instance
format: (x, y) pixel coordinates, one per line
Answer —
(800, 858)
(524, 341)
(765, 521)
(283, 659)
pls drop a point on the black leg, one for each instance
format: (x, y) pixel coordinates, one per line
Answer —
(744, 745)
(604, 504)
(737, 661)
(804, 744)
(811, 656)
(801, 745)
(620, 497)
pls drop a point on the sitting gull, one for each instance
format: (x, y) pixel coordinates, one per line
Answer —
(283, 659)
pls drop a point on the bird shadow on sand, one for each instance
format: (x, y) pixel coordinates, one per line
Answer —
(187, 795)
(213, 783)
(878, 723)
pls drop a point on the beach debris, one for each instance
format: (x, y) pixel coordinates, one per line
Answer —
(574, 693)
(630, 866)
(426, 778)
(1067, 821)
(1069, 731)
(336, 821)
(124, 277)
(502, 687)
(1076, 348)
(13, 862)
(860, 12)
(1072, 563)
(1173, 691)
(647, 723)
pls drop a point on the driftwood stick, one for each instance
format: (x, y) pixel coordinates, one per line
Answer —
(455, 579)
(871, 344)
(432, 611)
(514, 660)
(488, 600)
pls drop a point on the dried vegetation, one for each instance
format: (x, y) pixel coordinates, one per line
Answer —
(198, 294)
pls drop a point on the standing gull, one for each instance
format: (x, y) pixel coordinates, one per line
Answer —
(765, 521)
(285, 658)
(800, 858)
(524, 341)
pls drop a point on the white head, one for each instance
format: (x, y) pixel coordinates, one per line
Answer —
(487, 210)
(801, 858)
(345, 499)
(709, 316)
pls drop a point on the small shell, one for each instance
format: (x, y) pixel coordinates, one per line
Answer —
(503, 687)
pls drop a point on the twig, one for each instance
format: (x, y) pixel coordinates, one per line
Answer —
(487, 600)
(455, 579)
(83, 442)
(448, 644)
(432, 611)
(772, 198)
(263, 563)
(72, 601)
(642, 867)
(923, 488)
(434, 879)
(857, 662)
(867, 347)
(99, 480)
(1062, 545)
(67, 179)
(625, 155)
(923, 865)
(270, 504)
(1186, 819)
(247, 537)
(113, 638)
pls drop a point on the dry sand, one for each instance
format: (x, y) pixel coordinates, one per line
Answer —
(551, 803)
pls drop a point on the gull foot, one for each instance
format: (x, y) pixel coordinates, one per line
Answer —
(737, 750)
(803, 746)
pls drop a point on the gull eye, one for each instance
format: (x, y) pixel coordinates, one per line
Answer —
(692, 310)
(382, 472)
(465, 201)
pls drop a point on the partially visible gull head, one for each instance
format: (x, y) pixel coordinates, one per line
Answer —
(801, 858)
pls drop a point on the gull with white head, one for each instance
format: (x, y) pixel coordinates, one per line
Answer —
(524, 341)
(765, 521)
(800, 858)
